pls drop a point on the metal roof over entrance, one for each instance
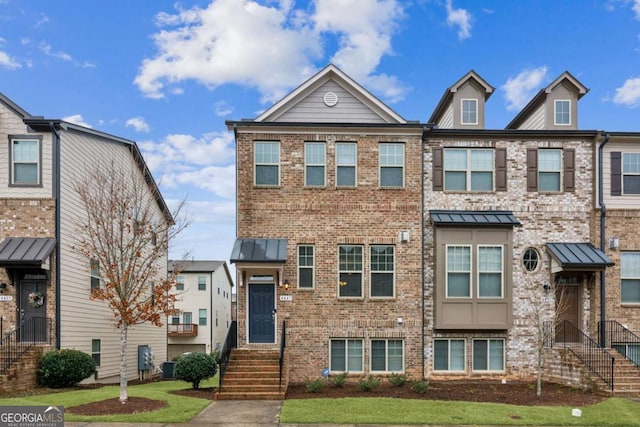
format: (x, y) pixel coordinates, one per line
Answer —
(25, 251)
(259, 250)
(474, 218)
(579, 256)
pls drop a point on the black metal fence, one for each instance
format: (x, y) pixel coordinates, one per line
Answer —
(618, 337)
(35, 330)
(230, 342)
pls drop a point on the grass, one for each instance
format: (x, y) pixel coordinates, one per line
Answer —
(180, 409)
(611, 412)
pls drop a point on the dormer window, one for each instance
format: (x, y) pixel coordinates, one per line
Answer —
(469, 112)
(562, 112)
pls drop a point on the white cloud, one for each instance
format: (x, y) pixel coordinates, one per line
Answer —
(636, 9)
(8, 62)
(221, 109)
(519, 90)
(76, 119)
(235, 41)
(629, 93)
(460, 18)
(138, 123)
(46, 48)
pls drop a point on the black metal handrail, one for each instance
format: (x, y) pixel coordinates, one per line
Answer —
(601, 363)
(35, 330)
(283, 346)
(618, 337)
(230, 342)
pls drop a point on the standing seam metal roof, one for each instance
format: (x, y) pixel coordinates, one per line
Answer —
(259, 250)
(25, 250)
(476, 218)
(582, 255)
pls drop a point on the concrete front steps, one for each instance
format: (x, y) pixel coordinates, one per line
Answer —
(252, 375)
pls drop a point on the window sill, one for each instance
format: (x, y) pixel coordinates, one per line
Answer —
(346, 299)
(630, 304)
(392, 188)
(389, 298)
(267, 187)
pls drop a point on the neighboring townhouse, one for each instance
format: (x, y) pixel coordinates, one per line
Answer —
(329, 188)
(507, 213)
(45, 285)
(204, 304)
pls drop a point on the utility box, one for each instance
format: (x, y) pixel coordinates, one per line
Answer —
(168, 369)
(145, 358)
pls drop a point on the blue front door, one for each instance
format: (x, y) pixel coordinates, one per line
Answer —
(262, 313)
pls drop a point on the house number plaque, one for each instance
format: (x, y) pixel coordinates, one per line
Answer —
(286, 297)
(6, 297)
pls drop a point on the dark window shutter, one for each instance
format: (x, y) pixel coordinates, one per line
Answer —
(532, 169)
(569, 155)
(501, 169)
(616, 173)
(438, 165)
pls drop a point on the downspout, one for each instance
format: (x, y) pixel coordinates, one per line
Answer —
(55, 178)
(603, 214)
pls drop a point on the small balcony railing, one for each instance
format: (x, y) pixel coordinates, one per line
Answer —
(182, 330)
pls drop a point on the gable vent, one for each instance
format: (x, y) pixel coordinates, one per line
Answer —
(330, 99)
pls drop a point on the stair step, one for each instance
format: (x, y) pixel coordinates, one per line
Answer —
(249, 396)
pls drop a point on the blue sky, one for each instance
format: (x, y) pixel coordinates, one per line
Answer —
(168, 74)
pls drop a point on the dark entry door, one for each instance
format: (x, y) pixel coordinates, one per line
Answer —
(33, 311)
(568, 308)
(262, 313)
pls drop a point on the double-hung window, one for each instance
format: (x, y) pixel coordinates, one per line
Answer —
(468, 169)
(630, 277)
(96, 351)
(490, 272)
(562, 113)
(25, 161)
(549, 169)
(202, 317)
(202, 283)
(631, 173)
(346, 355)
(387, 355)
(382, 270)
(350, 271)
(267, 163)
(346, 164)
(469, 111)
(449, 355)
(488, 355)
(179, 283)
(391, 164)
(314, 164)
(305, 266)
(95, 274)
(458, 271)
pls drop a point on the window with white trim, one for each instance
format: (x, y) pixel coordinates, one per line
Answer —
(490, 272)
(350, 271)
(95, 274)
(179, 283)
(25, 161)
(387, 355)
(458, 271)
(266, 159)
(630, 277)
(449, 355)
(346, 355)
(391, 164)
(96, 351)
(314, 164)
(488, 355)
(562, 113)
(202, 317)
(382, 270)
(468, 169)
(549, 169)
(305, 266)
(469, 111)
(346, 154)
(631, 173)
(531, 259)
(202, 283)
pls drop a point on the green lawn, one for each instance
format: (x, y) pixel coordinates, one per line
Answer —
(180, 409)
(611, 412)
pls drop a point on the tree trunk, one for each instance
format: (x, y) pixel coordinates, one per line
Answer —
(540, 364)
(123, 363)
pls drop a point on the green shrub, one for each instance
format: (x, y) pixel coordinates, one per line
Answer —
(368, 384)
(195, 367)
(338, 380)
(398, 380)
(64, 368)
(420, 386)
(314, 386)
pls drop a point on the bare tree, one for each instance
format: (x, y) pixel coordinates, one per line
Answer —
(126, 235)
(546, 305)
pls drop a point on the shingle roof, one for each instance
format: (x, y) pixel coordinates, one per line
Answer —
(474, 218)
(194, 266)
(259, 250)
(25, 250)
(579, 255)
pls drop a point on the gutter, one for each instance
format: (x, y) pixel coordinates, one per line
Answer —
(603, 214)
(55, 176)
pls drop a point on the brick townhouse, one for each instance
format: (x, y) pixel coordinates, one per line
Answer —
(384, 245)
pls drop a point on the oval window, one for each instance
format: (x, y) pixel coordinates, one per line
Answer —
(531, 259)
